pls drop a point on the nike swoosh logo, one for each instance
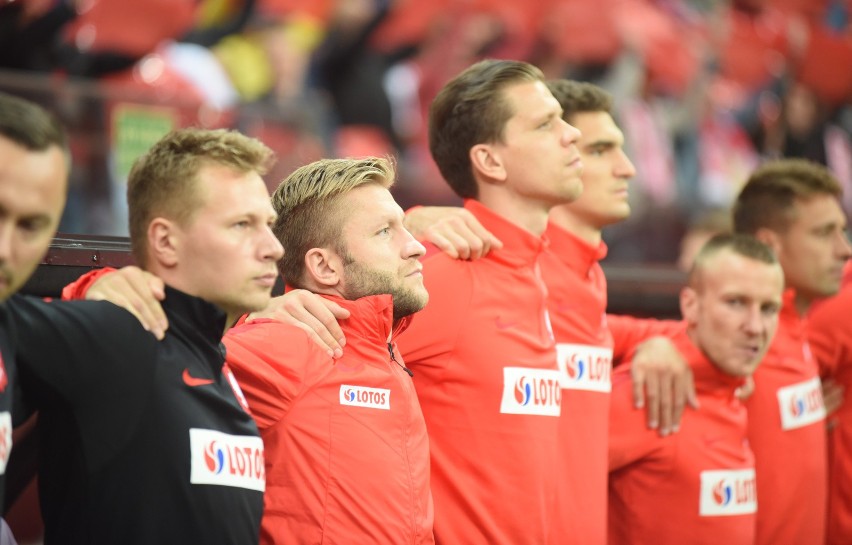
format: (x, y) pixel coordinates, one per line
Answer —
(504, 325)
(190, 380)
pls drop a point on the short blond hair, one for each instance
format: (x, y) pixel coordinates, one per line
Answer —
(740, 244)
(162, 183)
(309, 211)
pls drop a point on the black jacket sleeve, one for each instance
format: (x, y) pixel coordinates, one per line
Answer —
(90, 358)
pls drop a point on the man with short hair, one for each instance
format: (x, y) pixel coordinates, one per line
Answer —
(577, 302)
(698, 486)
(482, 351)
(830, 338)
(794, 207)
(34, 162)
(145, 441)
(346, 445)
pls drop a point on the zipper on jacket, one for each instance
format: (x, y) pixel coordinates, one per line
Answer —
(393, 359)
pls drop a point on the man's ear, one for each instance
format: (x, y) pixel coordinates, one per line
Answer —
(324, 267)
(485, 159)
(164, 241)
(689, 305)
(770, 238)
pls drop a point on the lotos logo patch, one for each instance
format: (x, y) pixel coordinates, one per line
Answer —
(531, 391)
(361, 396)
(584, 367)
(801, 404)
(723, 492)
(727, 492)
(226, 460)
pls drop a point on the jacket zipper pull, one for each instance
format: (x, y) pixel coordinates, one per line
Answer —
(393, 359)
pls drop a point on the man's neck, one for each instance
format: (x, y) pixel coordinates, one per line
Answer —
(575, 225)
(526, 214)
(802, 303)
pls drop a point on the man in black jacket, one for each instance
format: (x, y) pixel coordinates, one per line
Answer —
(145, 441)
(33, 179)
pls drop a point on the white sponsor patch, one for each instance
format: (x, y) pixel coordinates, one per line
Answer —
(226, 460)
(584, 367)
(727, 492)
(531, 391)
(361, 396)
(5, 439)
(801, 404)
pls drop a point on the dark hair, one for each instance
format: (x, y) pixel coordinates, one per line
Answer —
(577, 97)
(469, 110)
(30, 125)
(767, 198)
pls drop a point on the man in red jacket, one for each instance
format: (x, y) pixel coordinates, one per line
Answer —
(793, 206)
(482, 351)
(698, 486)
(830, 338)
(577, 302)
(347, 454)
(346, 446)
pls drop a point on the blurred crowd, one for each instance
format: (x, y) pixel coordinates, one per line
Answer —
(705, 89)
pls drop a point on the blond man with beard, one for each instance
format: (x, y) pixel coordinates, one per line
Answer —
(346, 445)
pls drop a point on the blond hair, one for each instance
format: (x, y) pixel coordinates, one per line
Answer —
(309, 211)
(740, 244)
(162, 183)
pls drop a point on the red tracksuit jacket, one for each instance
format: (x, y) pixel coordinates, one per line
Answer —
(786, 429)
(696, 486)
(484, 364)
(347, 454)
(577, 302)
(787, 434)
(830, 337)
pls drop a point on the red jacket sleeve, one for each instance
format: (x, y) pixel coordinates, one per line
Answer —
(78, 288)
(630, 439)
(272, 363)
(434, 330)
(830, 332)
(629, 332)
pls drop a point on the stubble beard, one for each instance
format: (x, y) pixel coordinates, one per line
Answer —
(362, 282)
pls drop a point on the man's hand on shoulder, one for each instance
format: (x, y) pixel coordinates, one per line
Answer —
(137, 291)
(662, 382)
(455, 231)
(308, 311)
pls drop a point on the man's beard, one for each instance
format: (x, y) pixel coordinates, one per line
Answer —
(361, 282)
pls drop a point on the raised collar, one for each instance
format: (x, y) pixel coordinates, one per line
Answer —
(708, 378)
(789, 317)
(520, 247)
(789, 312)
(199, 322)
(205, 317)
(577, 254)
(371, 317)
